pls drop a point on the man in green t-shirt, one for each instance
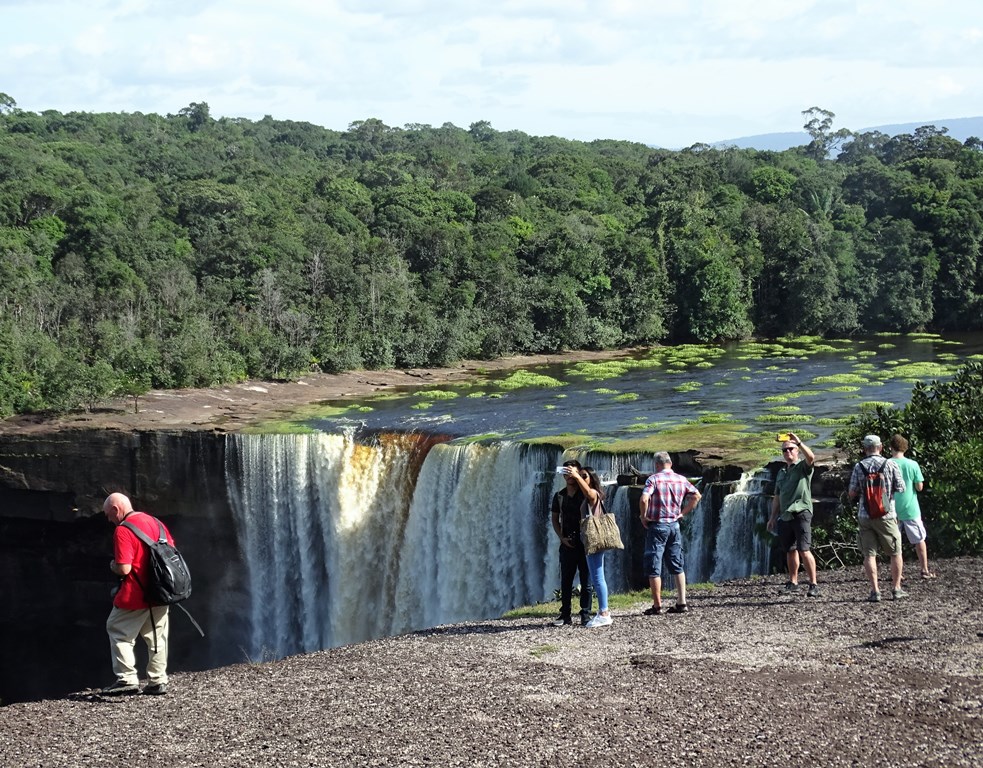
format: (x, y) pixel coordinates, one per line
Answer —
(791, 512)
(906, 502)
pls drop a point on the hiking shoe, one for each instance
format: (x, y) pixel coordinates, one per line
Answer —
(899, 594)
(599, 621)
(120, 688)
(874, 597)
(813, 591)
(562, 621)
(652, 610)
(584, 618)
(156, 689)
(679, 608)
(791, 587)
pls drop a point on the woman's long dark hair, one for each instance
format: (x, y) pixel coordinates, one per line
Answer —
(594, 482)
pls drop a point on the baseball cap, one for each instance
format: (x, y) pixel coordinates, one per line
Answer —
(871, 441)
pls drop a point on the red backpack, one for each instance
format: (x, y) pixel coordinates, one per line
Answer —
(877, 501)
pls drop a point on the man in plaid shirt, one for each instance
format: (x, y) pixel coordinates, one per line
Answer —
(666, 498)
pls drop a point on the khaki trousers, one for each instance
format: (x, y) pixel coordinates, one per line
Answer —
(123, 628)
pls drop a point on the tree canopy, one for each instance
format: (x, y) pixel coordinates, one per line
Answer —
(182, 250)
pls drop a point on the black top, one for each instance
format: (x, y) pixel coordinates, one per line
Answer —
(569, 511)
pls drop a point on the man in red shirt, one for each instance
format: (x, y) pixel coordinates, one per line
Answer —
(132, 615)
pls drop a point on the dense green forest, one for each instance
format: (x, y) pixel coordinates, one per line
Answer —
(147, 251)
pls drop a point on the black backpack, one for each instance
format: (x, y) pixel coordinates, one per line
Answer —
(170, 579)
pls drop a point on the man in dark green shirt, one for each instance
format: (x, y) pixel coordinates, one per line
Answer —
(791, 512)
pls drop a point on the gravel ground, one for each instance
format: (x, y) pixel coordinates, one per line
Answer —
(750, 676)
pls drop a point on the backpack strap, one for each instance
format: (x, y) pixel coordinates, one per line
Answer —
(162, 537)
(149, 542)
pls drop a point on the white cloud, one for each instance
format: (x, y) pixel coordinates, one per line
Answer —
(671, 72)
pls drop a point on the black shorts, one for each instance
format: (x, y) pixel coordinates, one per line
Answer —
(796, 534)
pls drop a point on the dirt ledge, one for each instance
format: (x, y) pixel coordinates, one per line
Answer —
(231, 408)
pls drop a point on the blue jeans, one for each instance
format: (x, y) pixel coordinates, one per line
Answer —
(663, 541)
(595, 564)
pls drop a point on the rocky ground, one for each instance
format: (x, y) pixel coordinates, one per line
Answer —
(750, 676)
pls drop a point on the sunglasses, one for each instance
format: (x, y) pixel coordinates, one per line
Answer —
(790, 448)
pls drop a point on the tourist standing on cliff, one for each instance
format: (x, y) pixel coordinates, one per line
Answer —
(594, 496)
(132, 615)
(566, 513)
(878, 532)
(791, 512)
(906, 502)
(666, 498)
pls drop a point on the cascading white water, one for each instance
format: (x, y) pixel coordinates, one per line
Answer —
(741, 550)
(696, 528)
(344, 542)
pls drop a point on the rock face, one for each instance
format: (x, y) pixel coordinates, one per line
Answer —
(55, 547)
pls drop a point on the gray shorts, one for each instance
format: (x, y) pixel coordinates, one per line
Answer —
(914, 530)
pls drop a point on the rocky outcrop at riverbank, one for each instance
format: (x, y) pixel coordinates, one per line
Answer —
(751, 676)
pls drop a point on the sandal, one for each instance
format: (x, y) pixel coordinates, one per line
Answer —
(928, 575)
(654, 610)
(679, 608)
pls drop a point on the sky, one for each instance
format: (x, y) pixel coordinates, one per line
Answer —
(668, 73)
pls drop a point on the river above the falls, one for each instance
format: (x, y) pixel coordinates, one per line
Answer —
(806, 384)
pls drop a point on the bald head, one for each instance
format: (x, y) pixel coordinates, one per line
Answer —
(116, 507)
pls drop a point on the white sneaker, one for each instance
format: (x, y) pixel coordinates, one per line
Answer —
(599, 621)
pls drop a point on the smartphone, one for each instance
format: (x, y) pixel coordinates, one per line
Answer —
(783, 437)
(562, 470)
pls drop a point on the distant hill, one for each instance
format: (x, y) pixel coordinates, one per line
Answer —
(960, 128)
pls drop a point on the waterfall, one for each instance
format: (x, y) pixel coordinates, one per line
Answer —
(344, 542)
(696, 529)
(741, 548)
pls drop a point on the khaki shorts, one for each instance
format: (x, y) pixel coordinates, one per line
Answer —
(882, 534)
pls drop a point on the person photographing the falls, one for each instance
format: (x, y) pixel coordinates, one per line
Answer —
(791, 512)
(666, 498)
(566, 514)
(132, 615)
(593, 505)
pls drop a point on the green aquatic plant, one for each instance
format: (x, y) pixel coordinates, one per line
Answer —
(871, 405)
(523, 379)
(626, 397)
(436, 394)
(714, 418)
(844, 388)
(476, 394)
(919, 371)
(422, 406)
(688, 386)
(774, 399)
(832, 422)
(840, 378)
(886, 346)
(785, 408)
(603, 391)
(783, 418)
